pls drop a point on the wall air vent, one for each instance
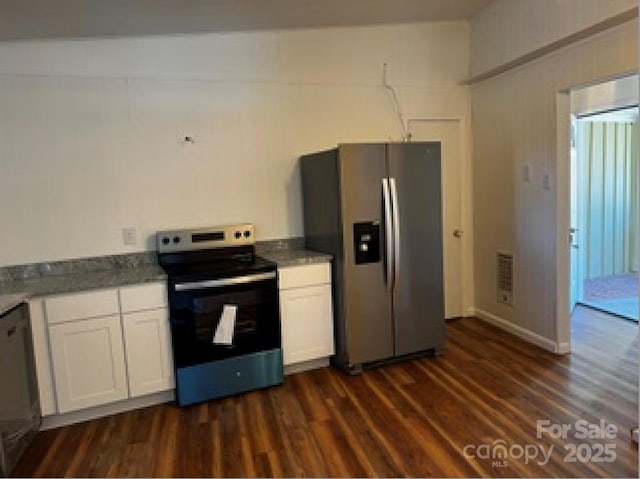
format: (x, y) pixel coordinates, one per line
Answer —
(505, 278)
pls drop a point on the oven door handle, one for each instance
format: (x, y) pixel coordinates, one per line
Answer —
(219, 283)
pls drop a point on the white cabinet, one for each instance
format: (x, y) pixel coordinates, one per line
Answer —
(306, 313)
(148, 350)
(43, 361)
(147, 338)
(90, 304)
(88, 362)
(40, 337)
(97, 347)
(143, 297)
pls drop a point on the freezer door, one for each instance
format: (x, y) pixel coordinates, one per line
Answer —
(418, 299)
(367, 303)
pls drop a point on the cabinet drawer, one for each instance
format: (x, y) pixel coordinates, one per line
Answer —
(143, 297)
(81, 306)
(307, 275)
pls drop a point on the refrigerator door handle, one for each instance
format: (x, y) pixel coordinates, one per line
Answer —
(396, 231)
(388, 236)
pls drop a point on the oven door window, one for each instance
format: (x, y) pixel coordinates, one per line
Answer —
(196, 313)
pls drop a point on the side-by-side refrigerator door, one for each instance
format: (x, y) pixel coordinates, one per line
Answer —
(367, 300)
(418, 297)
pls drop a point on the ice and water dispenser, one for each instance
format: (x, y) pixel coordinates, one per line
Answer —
(366, 242)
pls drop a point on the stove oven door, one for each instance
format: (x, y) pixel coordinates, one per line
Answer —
(197, 309)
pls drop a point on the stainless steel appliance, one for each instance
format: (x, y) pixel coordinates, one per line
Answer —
(19, 403)
(377, 209)
(224, 312)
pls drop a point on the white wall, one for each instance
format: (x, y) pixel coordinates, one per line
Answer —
(514, 124)
(91, 131)
(508, 29)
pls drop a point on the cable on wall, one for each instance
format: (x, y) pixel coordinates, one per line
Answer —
(396, 104)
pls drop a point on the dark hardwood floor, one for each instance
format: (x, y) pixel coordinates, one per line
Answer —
(409, 419)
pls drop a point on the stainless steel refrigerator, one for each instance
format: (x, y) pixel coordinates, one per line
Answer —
(377, 208)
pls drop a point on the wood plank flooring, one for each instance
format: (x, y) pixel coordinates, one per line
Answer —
(409, 419)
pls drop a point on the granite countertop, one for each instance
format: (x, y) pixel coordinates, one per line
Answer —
(10, 301)
(81, 281)
(295, 257)
(83, 274)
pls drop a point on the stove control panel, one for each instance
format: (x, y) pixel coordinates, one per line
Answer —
(205, 238)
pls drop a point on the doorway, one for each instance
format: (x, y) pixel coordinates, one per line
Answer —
(571, 105)
(604, 211)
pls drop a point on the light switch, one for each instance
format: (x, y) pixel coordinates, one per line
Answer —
(526, 172)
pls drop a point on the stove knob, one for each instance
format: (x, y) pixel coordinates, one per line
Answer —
(165, 240)
(176, 239)
(237, 234)
(247, 233)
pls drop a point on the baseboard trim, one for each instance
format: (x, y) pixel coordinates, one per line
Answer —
(563, 348)
(522, 333)
(60, 420)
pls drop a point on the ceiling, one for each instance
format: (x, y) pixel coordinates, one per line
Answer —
(31, 19)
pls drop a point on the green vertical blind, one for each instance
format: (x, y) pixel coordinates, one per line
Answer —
(608, 160)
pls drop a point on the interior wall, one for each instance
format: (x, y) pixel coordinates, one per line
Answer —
(92, 132)
(514, 141)
(508, 29)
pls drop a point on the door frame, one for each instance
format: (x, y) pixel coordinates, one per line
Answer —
(563, 212)
(575, 208)
(563, 221)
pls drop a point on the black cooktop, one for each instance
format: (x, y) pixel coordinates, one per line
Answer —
(208, 264)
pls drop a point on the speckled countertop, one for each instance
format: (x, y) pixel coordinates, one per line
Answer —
(10, 301)
(296, 257)
(56, 277)
(42, 279)
(290, 252)
(80, 281)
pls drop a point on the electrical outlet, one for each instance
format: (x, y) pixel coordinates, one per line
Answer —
(129, 236)
(546, 182)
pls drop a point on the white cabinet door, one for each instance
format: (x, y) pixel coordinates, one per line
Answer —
(148, 350)
(307, 323)
(88, 363)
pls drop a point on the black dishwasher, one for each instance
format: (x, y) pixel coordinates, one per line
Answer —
(19, 403)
